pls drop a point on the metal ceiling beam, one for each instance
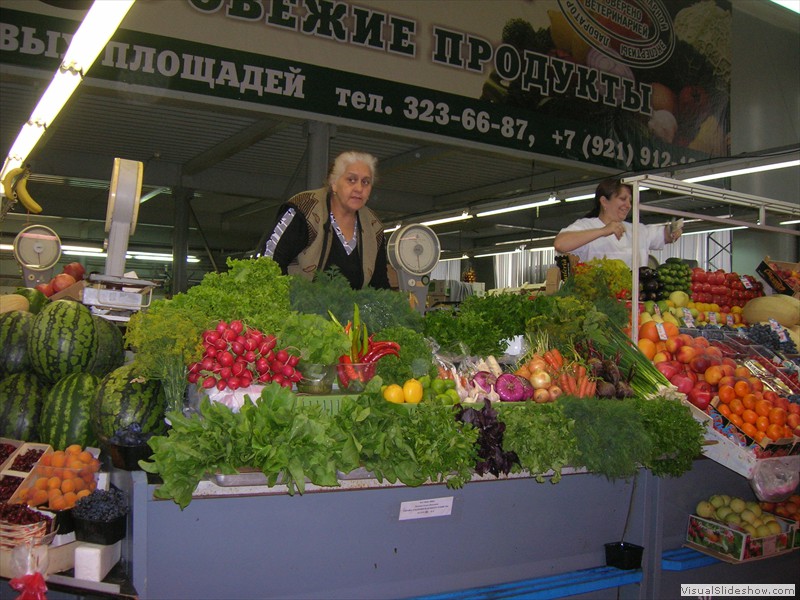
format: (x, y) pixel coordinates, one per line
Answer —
(233, 145)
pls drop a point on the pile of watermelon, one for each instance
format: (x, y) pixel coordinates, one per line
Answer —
(63, 381)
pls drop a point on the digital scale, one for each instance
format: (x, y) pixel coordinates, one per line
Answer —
(413, 251)
(37, 249)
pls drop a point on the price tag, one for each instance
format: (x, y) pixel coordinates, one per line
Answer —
(656, 309)
(687, 317)
(425, 509)
(662, 333)
(729, 319)
(712, 318)
(776, 327)
(746, 282)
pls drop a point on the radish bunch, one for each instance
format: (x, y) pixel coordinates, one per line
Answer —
(236, 357)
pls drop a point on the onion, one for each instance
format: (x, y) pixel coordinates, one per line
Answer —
(540, 379)
(527, 389)
(509, 388)
(541, 396)
(484, 380)
(554, 392)
(537, 364)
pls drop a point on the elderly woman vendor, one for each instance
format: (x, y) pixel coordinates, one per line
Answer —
(604, 233)
(332, 227)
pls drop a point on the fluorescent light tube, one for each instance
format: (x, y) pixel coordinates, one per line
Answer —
(525, 241)
(507, 209)
(99, 24)
(497, 253)
(462, 257)
(792, 222)
(391, 229)
(581, 197)
(713, 230)
(793, 5)
(462, 217)
(746, 171)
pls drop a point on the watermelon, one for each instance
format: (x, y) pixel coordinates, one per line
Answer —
(110, 347)
(36, 299)
(63, 340)
(21, 398)
(66, 412)
(15, 328)
(123, 397)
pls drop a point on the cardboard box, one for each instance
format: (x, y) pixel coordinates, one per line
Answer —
(733, 544)
(553, 280)
(775, 281)
(73, 292)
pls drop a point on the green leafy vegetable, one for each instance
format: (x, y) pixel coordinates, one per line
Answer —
(318, 339)
(565, 320)
(415, 358)
(541, 435)
(253, 291)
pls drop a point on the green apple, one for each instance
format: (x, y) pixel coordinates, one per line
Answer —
(679, 298)
(648, 307)
(705, 509)
(774, 527)
(747, 515)
(645, 317)
(733, 518)
(763, 531)
(737, 505)
(716, 501)
(750, 529)
(722, 512)
(663, 306)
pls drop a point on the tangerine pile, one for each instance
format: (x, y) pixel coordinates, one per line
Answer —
(758, 413)
(62, 477)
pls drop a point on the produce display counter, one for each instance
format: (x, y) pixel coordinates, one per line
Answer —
(368, 539)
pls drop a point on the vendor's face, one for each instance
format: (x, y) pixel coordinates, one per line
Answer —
(617, 207)
(353, 188)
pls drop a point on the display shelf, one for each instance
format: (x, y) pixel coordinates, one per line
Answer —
(685, 559)
(556, 586)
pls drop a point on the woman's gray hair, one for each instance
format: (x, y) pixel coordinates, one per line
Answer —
(345, 159)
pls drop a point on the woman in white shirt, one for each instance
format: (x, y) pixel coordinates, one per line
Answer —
(604, 233)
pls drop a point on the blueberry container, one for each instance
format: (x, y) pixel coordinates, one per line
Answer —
(100, 532)
(624, 555)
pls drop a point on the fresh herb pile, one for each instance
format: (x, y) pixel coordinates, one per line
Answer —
(493, 457)
(541, 435)
(414, 359)
(408, 445)
(565, 320)
(483, 324)
(330, 291)
(318, 339)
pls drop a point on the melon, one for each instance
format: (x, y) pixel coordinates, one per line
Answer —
(15, 328)
(21, 398)
(36, 299)
(66, 412)
(124, 397)
(110, 347)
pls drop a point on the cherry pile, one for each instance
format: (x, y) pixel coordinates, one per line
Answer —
(25, 462)
(236, 357)
(9, 485)
(20, 514)
(6, 450)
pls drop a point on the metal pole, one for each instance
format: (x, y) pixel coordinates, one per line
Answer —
(180, 239)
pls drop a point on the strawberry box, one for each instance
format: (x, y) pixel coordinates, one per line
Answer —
(733, 544)
(782, 277)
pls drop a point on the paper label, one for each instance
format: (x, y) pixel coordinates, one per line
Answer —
(712, 318)
(662, 333)
(746, 282)
(424, 509)
(687, 318)
(729, 319)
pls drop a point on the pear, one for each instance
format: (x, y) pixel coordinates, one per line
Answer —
(679, 298)
(705, 509)
(645, 317)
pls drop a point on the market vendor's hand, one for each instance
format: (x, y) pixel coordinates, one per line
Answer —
(615, 228)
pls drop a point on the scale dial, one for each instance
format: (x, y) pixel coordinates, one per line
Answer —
(414, 249)
(37, 248)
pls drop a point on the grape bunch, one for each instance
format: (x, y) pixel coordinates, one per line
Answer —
(101, 505)
(764, 334)
(130, 435)
(6, 450)
(25, 462)
(8, 485)
(235, 357)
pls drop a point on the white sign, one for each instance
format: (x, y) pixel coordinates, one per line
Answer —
(423, 509)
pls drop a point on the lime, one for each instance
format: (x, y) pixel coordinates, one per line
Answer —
(438, 385)
(425, 381)
(453, 395)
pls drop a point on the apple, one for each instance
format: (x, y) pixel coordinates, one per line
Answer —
(686, 354)
(75, 269)
(699, 363)
(61, 282)
(700, 395)
(713, 374)
(682, 383)
(673, 344)
(668, 368)
(45, 288)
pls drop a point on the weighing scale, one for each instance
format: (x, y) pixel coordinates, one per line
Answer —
(113, 295)
(413, 251)
(37, 249)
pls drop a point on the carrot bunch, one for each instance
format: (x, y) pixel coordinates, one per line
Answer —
(568, 376)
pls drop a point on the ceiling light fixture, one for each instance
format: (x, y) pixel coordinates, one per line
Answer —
(497, 253)
(462, 257)
(792, 5)
(507, 209)
(792, 222)
(744, 171)
(391, 229)
(462, 217)
(99, 24)
(713, 230)
(525, 241)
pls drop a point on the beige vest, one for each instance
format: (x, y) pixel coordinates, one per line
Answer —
(314, 206)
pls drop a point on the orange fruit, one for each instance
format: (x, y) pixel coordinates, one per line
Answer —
(763, 407)
(86, 457)
(41, 483)
(748, 416)
(58, 503)
(54, 493)
(647, 347)
(749, 401)
(74, 449)
(749, 429)
(59, 459)
(82, 493)
(649, 330)
(742, 388)
(774, 431)
(736, 406)
(69, 499)
(726, 394)
(724, 410)
(38, 497)
(671, 329)
(777, 416)
(54, 483)
(736, 420)
(758, 435)
(762, 423)
(68, 486)
(44, 461)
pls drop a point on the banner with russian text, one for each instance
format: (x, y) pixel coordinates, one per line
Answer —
(630, 84)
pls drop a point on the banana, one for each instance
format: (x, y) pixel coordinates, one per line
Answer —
(8, 183)
(21, 190)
